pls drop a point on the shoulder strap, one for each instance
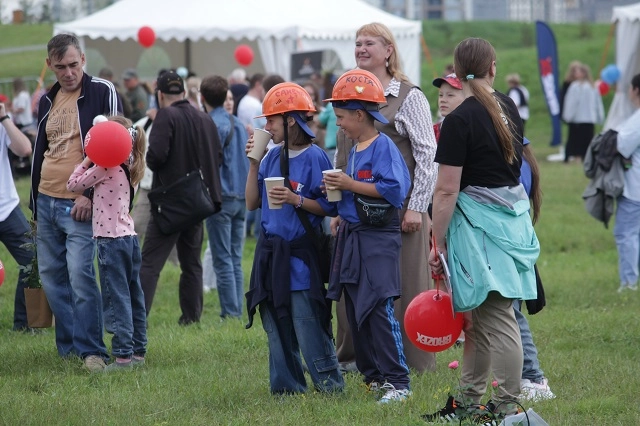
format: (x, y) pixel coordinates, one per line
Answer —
(306, 223)
(131, 191)
(230, 135)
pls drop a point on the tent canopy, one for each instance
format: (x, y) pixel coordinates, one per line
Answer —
(203, 35)
(627, 19)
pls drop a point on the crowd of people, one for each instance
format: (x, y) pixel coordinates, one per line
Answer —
(465, 189)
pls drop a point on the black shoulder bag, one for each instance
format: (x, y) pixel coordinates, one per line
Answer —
(371, 210)
(321, 241)
(184, 203)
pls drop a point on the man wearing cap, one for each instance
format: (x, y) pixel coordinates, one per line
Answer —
(65, 244)
(136, 94)
(183, 140)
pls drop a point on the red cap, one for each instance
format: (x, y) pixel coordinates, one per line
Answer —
(3, 98)
(451, 79)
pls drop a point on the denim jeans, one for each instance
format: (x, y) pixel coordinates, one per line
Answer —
(12, 235)
(627, 234)
(119, 262)
(254, 218)
(66, 250)
(226, 238)
(530, 363)
(304, 332)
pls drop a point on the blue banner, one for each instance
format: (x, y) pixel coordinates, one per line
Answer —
(548, 64)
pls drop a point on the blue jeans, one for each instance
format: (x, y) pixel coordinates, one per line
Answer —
(12, 235)
(627, 234)
(304, 332)
(530, 363)
(253, 222)
(119, 262)
(226, 238)
(66, 250)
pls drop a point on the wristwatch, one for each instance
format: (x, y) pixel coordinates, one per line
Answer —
(4, 118)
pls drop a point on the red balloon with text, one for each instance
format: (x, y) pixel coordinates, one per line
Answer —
(108, 144)
(429, 321)
(1, 273)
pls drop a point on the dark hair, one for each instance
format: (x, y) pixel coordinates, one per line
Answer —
(475, 57)
(18, 85)
(635, 81)
(255, 79)
(316, 92)
(213, 89)
(58, 45)
(270, 81)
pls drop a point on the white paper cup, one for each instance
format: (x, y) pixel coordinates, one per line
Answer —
(260, 140)
(333, 194)
(273, 182)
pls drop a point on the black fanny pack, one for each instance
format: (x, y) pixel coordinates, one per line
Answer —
(374, 211)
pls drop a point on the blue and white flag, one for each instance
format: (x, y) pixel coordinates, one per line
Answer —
(548, 64)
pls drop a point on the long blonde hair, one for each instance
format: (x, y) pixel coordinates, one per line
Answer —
(136, 169)
(473, 59)
(376, 29)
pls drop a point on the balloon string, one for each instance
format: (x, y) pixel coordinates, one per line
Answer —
(436, 277)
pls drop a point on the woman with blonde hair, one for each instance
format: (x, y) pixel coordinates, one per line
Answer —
(410, 127)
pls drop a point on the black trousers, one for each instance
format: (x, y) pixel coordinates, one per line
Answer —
(155, 252)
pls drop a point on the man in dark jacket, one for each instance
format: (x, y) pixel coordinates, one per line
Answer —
(65, 244)
(183, 140)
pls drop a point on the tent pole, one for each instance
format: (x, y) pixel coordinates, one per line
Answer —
(187, 54)
(606, 46)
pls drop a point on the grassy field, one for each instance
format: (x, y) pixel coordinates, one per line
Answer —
(216, 373)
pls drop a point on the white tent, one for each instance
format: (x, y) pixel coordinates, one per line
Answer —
(203, 34)
(627, 19)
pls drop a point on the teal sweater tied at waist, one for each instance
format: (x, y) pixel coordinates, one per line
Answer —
(491, 246)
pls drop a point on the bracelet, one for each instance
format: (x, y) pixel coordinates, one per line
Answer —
(4, 118)
(300, 202)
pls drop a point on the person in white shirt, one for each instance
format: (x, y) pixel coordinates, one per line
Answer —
(250, 105)
(520, 96)
(21, 105)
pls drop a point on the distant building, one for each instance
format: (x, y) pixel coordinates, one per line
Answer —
(556, 11)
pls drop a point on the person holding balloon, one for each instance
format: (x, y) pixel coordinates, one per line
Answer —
(113, 177)
(482, 228)
(366, 264)
(582, 109)
(65, 246)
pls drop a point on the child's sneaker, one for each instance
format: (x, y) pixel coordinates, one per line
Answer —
(392, 394)
(532, 391)
(137, 361)
(119, 366)
(452, 412)
(94, 364)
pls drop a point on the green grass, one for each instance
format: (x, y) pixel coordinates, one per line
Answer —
(216, 373)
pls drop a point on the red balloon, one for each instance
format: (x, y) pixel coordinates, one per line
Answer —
(429, 321)
(146, 36)
(1, 273)
(603, 88)
(244, 55)
(108, 144)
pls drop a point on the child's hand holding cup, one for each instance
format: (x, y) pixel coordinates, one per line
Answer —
(333, 194)
(261, 139)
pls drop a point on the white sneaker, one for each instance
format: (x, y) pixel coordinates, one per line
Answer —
(533, 391)
(392, 394)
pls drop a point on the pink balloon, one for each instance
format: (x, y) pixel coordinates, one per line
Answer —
(1, 273)
(146, 36)
(244, 55)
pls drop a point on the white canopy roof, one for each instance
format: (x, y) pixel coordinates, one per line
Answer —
(214, 28)
(627, 20)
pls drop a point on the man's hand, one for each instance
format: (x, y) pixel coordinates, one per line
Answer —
(412, 221)
(81, 211)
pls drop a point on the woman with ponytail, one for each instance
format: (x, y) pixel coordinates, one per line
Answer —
(482, 229)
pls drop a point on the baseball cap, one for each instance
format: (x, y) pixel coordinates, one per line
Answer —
(129, 73)
(170, 83)
(301, 119)
(450, 79)
(370, 107)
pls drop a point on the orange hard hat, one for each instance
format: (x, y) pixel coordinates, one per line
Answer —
(358, 85)
(286, 97)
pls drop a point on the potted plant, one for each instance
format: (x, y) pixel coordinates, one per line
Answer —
(39, 313)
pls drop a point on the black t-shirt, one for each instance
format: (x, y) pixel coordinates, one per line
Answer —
(469, 140)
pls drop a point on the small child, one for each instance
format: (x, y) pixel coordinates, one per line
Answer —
(449, 97)
(366, 267)
(119, 255)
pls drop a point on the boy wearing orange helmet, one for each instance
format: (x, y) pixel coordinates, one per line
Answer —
(366, 266)
(286, 284)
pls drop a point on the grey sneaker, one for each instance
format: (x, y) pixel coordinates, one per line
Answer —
(137, 361)
(94, 364)
(119, 366)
